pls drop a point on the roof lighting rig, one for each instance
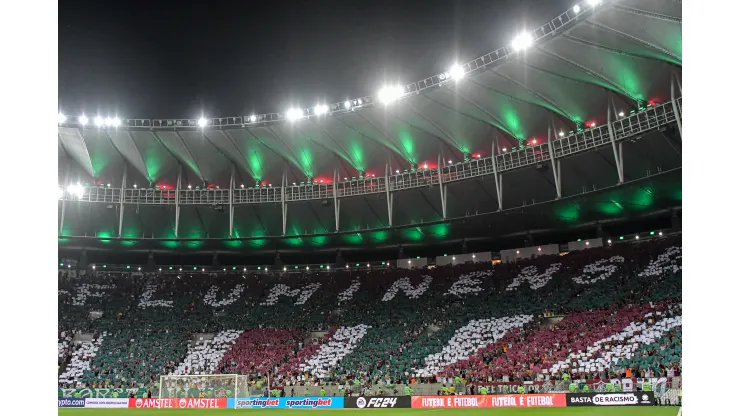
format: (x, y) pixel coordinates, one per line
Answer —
(386, 95)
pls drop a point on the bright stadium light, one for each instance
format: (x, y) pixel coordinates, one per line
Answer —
(561, 134)
(576, 9)
(389, 94)
(253, 118)
(593, 3)
(347, 105)
(321, 109)
(76, 190)
(294, 114)
(99, 121)
(457, 72)
(621, 114)
(593, 124)
(521, 42)
(108, 121)
(82, 119)
(61, 118)
(115, 122)
(202, 122)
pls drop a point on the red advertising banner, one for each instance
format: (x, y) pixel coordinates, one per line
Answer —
(508, 400)
(193, 403)
(528, 400)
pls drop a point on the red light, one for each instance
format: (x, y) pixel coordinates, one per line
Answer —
(534, 141)
(477, 155)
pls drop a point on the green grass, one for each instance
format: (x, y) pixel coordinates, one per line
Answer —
(569, 411)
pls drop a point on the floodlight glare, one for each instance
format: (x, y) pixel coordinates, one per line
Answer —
(294, 114)
(593, 3)
(61, 118)
(457, 72)
(108, 121)
(253, 119)
(99, 121)
(389, 94)
(202, 122)
(347, 105)
(115, 122)
(621, 114)
(521, 42)
(576, 9)
(561, 134)
(82, 119)
(321, 109)
(76, 190)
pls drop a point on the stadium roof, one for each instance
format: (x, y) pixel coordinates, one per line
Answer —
(617, 61)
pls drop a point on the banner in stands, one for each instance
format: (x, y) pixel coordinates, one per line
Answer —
(105, 403)
(378, 402)
(503, 400)
(70, 402)
(100, 393)
(183, 403)
(287, 403)
(645, 398)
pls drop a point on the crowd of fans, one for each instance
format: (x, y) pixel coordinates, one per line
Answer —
(391, 326)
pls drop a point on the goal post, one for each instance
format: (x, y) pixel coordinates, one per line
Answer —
(207, 385)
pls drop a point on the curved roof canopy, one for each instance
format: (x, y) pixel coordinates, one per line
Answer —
(620, 56)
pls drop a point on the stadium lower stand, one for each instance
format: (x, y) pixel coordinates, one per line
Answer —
(595, 314)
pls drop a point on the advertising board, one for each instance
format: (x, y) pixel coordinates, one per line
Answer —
(645, 398)
(70, 402)
(378, 402)
(182, 403)
(288, 403)
(102, 403)
(504, 400)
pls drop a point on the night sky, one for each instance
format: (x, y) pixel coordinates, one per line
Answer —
(159, 59)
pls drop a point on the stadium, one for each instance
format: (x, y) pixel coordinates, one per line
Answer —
(503, 237)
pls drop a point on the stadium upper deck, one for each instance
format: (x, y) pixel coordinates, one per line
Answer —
(584, 107)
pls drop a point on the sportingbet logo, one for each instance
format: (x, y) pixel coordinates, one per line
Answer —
(257, 403)
(376, 402)
(69, 402)
(314, 403)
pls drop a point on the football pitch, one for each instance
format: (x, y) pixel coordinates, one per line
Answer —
(571, 411)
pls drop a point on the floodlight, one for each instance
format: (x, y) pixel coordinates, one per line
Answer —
(347, 105)
(561, 134)
(76, 190)
(534, 141)
(504, 149)
(389, 94)
(252, 119)
(521, 42)
(576, 9)
(134, 186)
(115, 122)
(190, 187)
(61, 118)
(99, 121)
(593, 3)
(294, 114)
(82, 119)
(593, 124)
(108, 121)
(621, 114)
(425, 166)
(242, 186)
(457, 72)
(609, 241)
(660, 233)
(321, 109)
(398, 171)
(202, 122)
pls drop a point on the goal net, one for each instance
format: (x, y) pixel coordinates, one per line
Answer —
(194, 386)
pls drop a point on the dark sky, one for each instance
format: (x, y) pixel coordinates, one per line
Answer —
(152, 59)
